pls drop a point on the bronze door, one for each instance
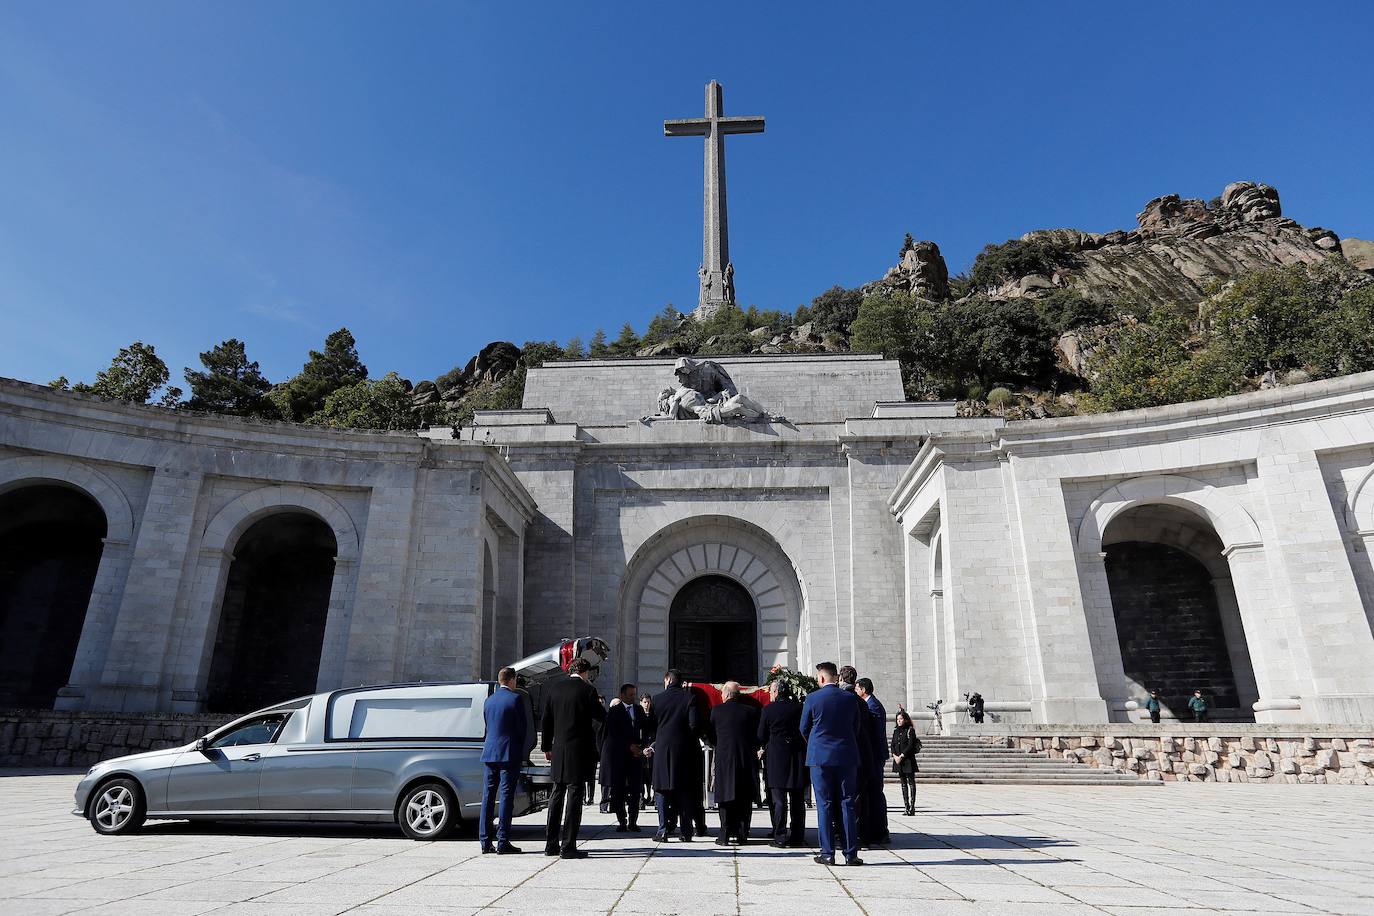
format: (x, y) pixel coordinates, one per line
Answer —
(713, 635)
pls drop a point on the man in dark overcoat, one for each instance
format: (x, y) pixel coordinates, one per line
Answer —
(620, 760)
(735, 733)
(571, 711)
(784, 766)
(678, 764)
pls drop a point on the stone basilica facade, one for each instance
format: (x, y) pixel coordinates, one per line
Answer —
(164, 561)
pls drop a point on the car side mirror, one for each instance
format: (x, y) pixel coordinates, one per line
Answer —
(202, 744)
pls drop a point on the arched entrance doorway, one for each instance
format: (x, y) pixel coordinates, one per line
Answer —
(713, 631)
(1177, 620)
(51, 538)
(273, 615)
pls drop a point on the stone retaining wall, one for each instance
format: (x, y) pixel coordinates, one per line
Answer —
(46, 738)
(1225, 755)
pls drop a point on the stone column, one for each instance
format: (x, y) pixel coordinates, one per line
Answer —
(334, 647)
(1115, 686)
(138, 669)
(876, 576)
(194, 650)
(1063, 675)
(101, 613)
(1325, 599)
(1278, 658)
(1237, 645)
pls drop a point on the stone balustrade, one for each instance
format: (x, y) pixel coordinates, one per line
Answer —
(1221, 752)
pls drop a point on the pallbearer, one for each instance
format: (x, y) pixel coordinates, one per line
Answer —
(735, 729)
(678, 764)
(784, 765)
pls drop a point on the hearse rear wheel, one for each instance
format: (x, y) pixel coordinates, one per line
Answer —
(427, 811)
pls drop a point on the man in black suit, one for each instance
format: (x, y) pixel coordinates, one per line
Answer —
(678, 764)
(784, 766)
(569, 740)
(620, 760)
(735, 736)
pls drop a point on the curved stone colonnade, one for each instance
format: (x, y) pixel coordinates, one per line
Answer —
(1024, 534)
(423, 536)
(1060, 568)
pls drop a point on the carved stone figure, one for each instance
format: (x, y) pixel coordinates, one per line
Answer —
(705, 392)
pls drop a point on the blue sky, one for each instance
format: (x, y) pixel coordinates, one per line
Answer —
(435, 176)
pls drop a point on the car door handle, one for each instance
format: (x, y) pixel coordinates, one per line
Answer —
(251, 757)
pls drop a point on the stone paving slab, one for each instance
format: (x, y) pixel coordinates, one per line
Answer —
(1183, 849)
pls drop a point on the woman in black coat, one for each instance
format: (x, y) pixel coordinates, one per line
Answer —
(648, 725)
(905, 746)
(784, 766)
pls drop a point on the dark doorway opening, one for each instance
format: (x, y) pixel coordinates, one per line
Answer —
(713, 632)
(51, 538)
(1169, 627)
(272, 619)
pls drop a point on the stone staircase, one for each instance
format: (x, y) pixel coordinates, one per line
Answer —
(957, 759)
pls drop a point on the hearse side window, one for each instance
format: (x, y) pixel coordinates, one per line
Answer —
(262, 730)
(444, 711)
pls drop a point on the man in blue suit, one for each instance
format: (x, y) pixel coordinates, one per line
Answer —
(831, 725)
(503, 752)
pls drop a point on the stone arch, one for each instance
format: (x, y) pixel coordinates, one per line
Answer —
(32, 469)
(1359, 510)
(235, 518)
(201, 623)
(702, 546)
(1232, 523)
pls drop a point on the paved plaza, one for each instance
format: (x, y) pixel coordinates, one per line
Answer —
(1191, 848)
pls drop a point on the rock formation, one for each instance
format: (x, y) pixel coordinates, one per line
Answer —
(1178, 248)
(921, 270)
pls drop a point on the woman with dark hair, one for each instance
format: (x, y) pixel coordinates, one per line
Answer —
(905, 746)
(648, 725)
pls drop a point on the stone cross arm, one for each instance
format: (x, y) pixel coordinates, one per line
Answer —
(701, 127)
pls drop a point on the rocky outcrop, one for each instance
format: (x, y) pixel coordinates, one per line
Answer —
(920, 270)
(1178, 249)
(1359, 253)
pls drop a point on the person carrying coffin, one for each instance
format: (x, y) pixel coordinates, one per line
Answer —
(734, 733)
(784, 765)
(678, 763)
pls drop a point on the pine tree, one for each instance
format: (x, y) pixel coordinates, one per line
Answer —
(574, 349)
(323, 374)
(230, 384)
(599, 348)
(627, 343)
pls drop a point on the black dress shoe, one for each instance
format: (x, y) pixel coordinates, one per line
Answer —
(854, 861)
(486, 850)
(508, 849)
(824, 860)
(742, 841)
(573, 854)
(776, 845)
(722, 841)
(660, 837)
(685, 837)
(621, 828)
(634, 828)
(550, 852)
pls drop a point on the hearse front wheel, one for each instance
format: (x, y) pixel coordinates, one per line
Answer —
(427, 811)
(118, 807)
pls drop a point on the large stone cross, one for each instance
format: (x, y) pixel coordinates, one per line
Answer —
(716, 272)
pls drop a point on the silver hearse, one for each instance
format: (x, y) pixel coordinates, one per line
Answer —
(408, 753)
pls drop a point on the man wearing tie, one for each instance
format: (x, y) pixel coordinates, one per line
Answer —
(831, 725)
(503, 751)
(621, 771)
